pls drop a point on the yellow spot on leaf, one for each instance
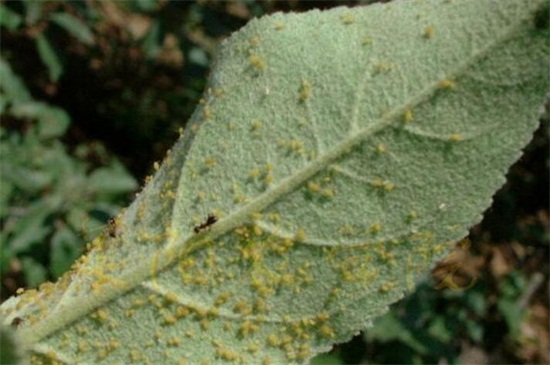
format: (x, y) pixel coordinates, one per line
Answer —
(429, 32)
(300, 235)
(447, 84)
(327, 331)
(174, 341)
(381, 148)
(408, 116)
(257, 62)
(248, 327)
(456, 137)
(254, 173)
(256, 125)
(210, 162)
(347, 19)
(366, 41)
(305, 90)
(274, 340)
(383, 184)
(375, 228)
(384, 288)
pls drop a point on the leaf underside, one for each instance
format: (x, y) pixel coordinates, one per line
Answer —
(342, 152)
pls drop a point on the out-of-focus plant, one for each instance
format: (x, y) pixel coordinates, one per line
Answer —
(40, 20)
(50, 201)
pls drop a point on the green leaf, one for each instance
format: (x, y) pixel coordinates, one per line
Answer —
(34, 272)
(342, 153)
(74, 26)
(33, 11)
(327, 359)
(65, 249)
(152, 41)
(9, 18)
(49, 57)
(30, 229)
(12, 86)
(113, 179)
(389, 328)
(53, 122)
(146, 5)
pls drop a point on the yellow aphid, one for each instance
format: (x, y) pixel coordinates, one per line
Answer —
(381, 148)
(210, 162)
(258, 231)
(347, 19)
(447, 84)
(257, 62)
(408, 116)
(249, 327)
(256, 125)
(366, 41)
(174, 341)
(182, 311)
(328, 193)
(274, 217)
(169, 319)
(323, 316)
(227, 354)
(314, 187)
(268, 179)
(273, 340)
(375, 228)
(300, 235)
(429, 32)
(381, 67)
(207, 112)
(101, 314)
(242, 308)
(379, 183)
(256, 216)
(384, 288)
(171, 297)
(83, 346)
(204, 323)
(456, 137)
(305, 90)
(254, 173)
(327, 331)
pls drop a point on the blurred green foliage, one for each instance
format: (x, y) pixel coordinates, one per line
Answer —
(50, 201)
(92, 93)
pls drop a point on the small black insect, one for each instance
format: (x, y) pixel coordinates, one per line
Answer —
(16, 322)
(209, 221)
(111, 224)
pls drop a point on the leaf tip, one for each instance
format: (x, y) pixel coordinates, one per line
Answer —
(429, 32)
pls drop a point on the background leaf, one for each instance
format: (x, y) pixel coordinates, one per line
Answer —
(74, 26)
(320, 214)
(49, 57)
(9, 19)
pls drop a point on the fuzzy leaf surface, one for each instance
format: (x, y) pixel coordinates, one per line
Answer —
(342, 153)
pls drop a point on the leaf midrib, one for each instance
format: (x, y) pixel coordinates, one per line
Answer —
(165, 258)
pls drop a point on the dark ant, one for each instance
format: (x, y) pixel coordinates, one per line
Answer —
(209, 221)
(17, 321)
(111, 224)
